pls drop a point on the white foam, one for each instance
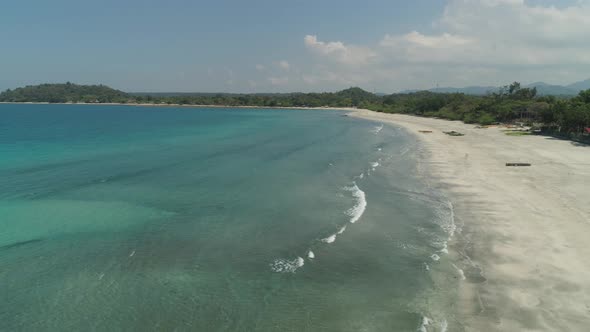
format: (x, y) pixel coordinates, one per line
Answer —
(330, 239)
(435, 257)
(287, 266)
(452, 226)
(132, 253)
(425, 323)
(379, 149)
(445, 249)
(374, 165)
(444, 325)
(460, 272)
(446, 217)
(362, 175)
(426, 266)
(310, 255)
(341, 230)
(356, 212)
(377, 129)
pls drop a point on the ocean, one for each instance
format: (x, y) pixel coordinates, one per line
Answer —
(196, 219)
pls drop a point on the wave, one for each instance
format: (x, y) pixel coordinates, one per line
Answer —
(377, 129)
(459, 271)
(290, 266)
(425, 322)
(452, 227)
(374, 165)
(445, 249)
(329, 239)
(332, 238)
(356, 212)
(287, 266)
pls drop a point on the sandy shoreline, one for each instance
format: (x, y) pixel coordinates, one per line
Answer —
(525, 239)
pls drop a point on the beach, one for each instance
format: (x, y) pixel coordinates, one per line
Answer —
(517, 250)
(522, 239)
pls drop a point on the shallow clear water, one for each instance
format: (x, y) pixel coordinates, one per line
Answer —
(131, 218)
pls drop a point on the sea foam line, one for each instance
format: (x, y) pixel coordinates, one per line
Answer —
(329, 239)
(376, 130)
(374, 165)
(425, 322)
(287, 266)
(357, 211)
(290, 266)
(459, 271)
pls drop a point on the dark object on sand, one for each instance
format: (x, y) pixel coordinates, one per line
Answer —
(425, 131)
(453, 133)
(518, 164)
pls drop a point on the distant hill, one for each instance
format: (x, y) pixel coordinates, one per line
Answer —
(543, 89)
(206, 94)
(64, 93)
(357, 95)
(470, 90)
(579, 86)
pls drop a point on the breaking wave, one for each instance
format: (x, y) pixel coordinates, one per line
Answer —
(287, 266)
(356, 212)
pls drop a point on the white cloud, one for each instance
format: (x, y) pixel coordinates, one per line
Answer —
(514, 32)
(472, 42)
(278, 80)
(345, 54)
(284, 65)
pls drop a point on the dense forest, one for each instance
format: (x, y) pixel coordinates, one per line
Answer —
(65, 93)
(567, 117)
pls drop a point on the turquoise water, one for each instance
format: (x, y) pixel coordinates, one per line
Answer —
(131, 218)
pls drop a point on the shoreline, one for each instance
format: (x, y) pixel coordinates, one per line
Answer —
(524, 240)
(187, 106)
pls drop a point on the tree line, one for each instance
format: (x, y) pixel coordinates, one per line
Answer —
(568, 117)
(65, 93)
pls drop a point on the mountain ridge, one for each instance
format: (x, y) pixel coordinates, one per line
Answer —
(543, 88)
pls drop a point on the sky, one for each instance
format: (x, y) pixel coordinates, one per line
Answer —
(297, 45)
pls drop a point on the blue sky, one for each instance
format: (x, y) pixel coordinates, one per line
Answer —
(279, 46)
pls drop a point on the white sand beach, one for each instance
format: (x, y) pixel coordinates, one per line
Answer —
(525, 239)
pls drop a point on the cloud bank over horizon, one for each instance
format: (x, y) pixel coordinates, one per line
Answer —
(473, 42)
(305, 45)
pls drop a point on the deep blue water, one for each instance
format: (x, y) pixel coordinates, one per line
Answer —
(148, 218)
